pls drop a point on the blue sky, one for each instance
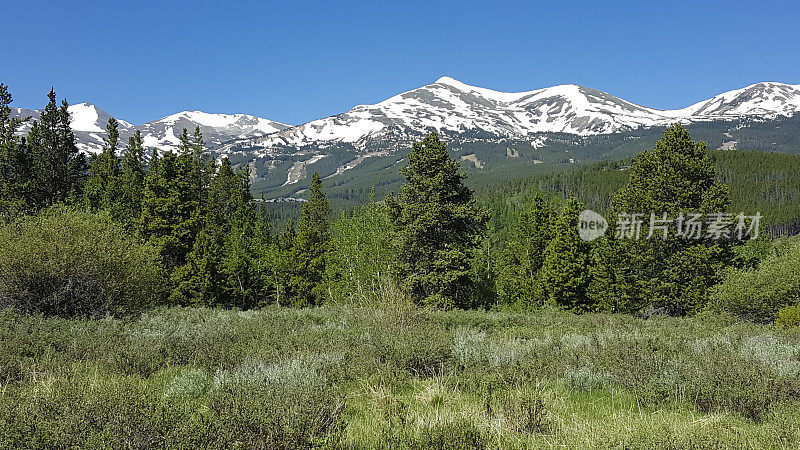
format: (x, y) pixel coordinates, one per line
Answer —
(297, 61)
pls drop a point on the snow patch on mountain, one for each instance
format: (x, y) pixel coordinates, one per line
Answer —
(451, 106)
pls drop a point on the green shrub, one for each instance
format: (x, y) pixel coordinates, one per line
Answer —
(758, 294)
(788, 317)
(287, 405)
(361, 256)
(69, 262)
(585, 379)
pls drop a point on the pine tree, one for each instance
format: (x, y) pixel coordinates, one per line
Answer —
(612, 287)
(76, 165)
(131, 181)
(15, 171)
(676, 175)
(438, 227)
(221, 265)
(59, 169)
(267, 255)
(197, 142)
(243, 245)
(102, 188)
(565, 269)
(309, 248)
(185, 145)
(170, 217)
(301, 254)
(519, 281)
(673, 274)
(200, 281)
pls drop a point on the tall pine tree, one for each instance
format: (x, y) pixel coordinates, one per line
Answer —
(131, 181)
(102, 188)
(519, 282)
(170, 215)
(15, 173)
(565, 269)
(671, 274)
(59, 169)
(309, 247)
(438, 227)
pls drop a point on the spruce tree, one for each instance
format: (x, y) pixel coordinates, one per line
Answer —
(221, 266)
(309, 248)
(15, 173)
(102, 190)
(200, 280)
(565, 269)
(438, 226)
(59, 169)
(243, 243)
(75, 161)
(672, 274)
(284, 264)
(131, 181)
(170, 217)
(266, 258)
(519, 281)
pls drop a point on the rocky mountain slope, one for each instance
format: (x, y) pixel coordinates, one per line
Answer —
(488, 130)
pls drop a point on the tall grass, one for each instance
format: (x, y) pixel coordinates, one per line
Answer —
(392, 377)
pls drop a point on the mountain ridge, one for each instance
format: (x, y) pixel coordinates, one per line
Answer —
(489, 131)
(448, 106)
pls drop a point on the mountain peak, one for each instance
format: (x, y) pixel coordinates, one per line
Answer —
(451, 81)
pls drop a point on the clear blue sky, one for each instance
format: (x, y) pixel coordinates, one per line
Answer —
(297, 61)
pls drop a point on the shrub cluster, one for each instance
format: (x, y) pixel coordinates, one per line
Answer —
(69, 262)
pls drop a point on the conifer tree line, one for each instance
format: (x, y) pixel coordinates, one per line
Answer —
(215, 243)
(432, 243)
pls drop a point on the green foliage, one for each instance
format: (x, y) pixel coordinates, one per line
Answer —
(361, 256)
(676, 175)
(671, 274)
(70, 262)
(565, 268)
(612, 286)
(201, 281)
(58, 168)
(15, 170)
(758, 294)
(788, 316)
(171, 215)
(308, 252)
(102, 187)
(519, 282)
(438, 227)
(230, 255)
(341, 377)
(128, 206)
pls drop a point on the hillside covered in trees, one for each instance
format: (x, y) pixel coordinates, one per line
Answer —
(512, 246)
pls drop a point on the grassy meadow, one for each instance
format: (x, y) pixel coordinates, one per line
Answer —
(396, 377)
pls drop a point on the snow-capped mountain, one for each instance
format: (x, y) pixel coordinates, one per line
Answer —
(87, 121)
(451, 107)
(448, 106)
(766, 100)
(89, 124)
(488, 129)
(216, 128)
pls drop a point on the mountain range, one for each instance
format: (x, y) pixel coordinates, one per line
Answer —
(89, 124)
(556, 123)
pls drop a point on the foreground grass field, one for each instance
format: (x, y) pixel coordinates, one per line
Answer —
(395, 378)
